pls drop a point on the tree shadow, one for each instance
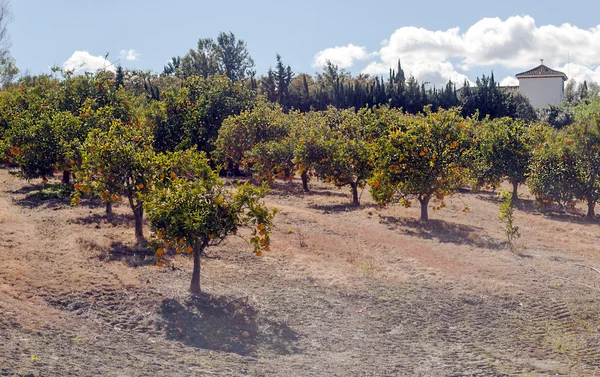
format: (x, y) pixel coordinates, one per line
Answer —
(340, 207)
(114, 219)
(218, 323)
(573, 217)
(281, 188)
(56, 195)
(522, 204)
(445, 232)
(135, 256)
(49, 194)
(553, 212)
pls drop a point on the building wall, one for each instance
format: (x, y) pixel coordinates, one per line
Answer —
(542, 91)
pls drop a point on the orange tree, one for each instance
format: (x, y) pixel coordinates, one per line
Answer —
(422, 157)
(192, 212)
(333, 147)
(31, 137)
(118, 162)
(193, 115)
(554, 175)
(240, 133)
(48, 120)
(275, 159)
(567, 167)
(42, 144)
(502, 149)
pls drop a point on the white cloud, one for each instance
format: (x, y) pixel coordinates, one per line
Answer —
(515, 43)
(342, 56)
(509, 81)
(130, 55)
(581, 73)
(518, 43)
(83, 61)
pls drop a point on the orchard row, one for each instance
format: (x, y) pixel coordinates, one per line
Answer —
(163, 156)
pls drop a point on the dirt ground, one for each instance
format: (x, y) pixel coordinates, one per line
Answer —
(344, 292)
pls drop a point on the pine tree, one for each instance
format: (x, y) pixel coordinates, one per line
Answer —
(119, 77)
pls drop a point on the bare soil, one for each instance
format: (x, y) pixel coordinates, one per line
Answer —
(344, 292)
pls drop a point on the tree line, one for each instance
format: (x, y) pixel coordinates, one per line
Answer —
(159, 143)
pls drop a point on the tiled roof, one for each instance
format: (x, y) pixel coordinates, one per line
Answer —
(509, 88)
(542, 70)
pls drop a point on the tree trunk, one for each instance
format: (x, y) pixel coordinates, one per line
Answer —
(66, 179)
(515, 194)
(591, 213)
(109, 208)
(424, 204)
(138, 213)
(355, 201)
(195, 284)
(304, 177)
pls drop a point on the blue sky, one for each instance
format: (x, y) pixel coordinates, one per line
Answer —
(46, 33)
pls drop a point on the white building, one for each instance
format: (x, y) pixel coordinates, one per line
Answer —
(542, 85)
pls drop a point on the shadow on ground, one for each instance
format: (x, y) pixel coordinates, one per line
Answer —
(280, 188)
(554, 212)
(37, 195)
(340, 207)
(115, 219)
(222, 324)
(133, 256)
(445, 232)
(55, 195)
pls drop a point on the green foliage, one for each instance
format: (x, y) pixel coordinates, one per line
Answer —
(584, 112)
(502, 149)
(193, 212)
(227, 56)
(558, 116)
(35, 146)
(274, 158)
(334, 146)
(517, 106)
(239, 134)
(423, 157)
(567, 167)
(507, 218)
(115, 163)
(193, 115)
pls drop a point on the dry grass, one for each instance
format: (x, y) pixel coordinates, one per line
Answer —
(347, 291)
